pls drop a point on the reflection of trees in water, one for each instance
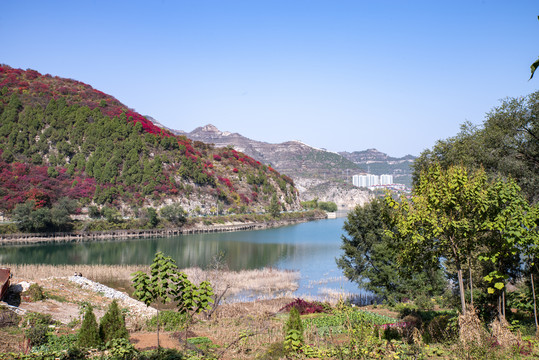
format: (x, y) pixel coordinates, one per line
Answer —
(187, 251)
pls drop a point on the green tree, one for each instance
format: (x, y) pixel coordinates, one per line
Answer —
(506, 144)
(443, 219)
(88, 335)
(327, 206)
(371, 257)
(174, 213)
(274, 207)
(112, 324)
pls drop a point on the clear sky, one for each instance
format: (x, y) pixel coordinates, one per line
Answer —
(335, 74)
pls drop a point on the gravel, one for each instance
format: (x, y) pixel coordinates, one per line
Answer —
(137, 307)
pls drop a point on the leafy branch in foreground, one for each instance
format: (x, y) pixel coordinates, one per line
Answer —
(166, 283)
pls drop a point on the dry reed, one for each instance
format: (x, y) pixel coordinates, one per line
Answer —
(264, 282)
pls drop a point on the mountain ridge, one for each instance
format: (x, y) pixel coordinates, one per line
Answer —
(317, 173)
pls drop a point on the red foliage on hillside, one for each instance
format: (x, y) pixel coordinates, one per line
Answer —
(21, 182)
(36, 88)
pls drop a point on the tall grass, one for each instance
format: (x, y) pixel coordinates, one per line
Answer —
(265, 281)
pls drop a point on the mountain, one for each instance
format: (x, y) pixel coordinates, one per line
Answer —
(316, 172)
(293, 158)
(62, 138)
(379, 163)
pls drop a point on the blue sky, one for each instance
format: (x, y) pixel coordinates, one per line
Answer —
(335, 74)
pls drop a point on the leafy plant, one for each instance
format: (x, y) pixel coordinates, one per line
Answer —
(34, 318)
(166, 283)
(121, 349)
(293, 331)
(168, 320)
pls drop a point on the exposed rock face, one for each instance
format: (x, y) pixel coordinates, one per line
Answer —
(346, 196)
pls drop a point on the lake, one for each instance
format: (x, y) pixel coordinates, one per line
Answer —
(310, 248)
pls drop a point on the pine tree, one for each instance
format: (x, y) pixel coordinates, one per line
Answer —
(89, 332)
(112, 324)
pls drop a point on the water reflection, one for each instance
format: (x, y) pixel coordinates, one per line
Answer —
(186, 250)
(310, 248)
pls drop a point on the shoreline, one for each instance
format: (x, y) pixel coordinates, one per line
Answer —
(88, 236)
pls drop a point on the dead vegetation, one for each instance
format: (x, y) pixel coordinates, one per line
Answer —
(264, 283)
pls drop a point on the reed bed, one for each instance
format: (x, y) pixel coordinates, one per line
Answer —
(265, 282)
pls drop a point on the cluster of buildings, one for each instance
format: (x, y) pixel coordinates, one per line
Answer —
(373, 182)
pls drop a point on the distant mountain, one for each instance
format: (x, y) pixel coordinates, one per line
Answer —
(62, 138)
(293, 158)
(378, 163)
(316, 172)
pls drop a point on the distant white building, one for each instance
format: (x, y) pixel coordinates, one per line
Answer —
(371, 180)
(367, 180)
(386, 179)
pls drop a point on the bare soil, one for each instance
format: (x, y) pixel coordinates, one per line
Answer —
(225, 328)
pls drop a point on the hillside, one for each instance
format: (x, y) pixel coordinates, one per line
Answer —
(378, 163)
(62, 138)
(309, 167)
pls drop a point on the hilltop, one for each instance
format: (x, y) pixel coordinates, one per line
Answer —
(61, 138)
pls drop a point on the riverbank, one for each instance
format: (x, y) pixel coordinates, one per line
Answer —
(196, 228)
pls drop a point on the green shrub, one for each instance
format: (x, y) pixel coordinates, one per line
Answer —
(293, 331)
(32, 319)
(121, 349)
(35, 292)
(439, 329)
(112, 324)
(58, 344)
(88, 336)
(162, 354)
(168, 320)
(37, 335)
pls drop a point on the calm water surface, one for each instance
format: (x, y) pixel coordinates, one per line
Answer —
(309, 247)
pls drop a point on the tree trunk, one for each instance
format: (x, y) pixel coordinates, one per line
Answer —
(157, 329)
(534, 305)
(503, 303)
(461, 289)
(471, 282)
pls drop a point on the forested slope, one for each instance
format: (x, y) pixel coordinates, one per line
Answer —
(62, 138)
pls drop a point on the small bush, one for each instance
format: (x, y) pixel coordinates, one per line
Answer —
(440, 329)
(305, 307)
(121, 349)
(35, 292)
(162, 354)
(168, 320)
(37, 335)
